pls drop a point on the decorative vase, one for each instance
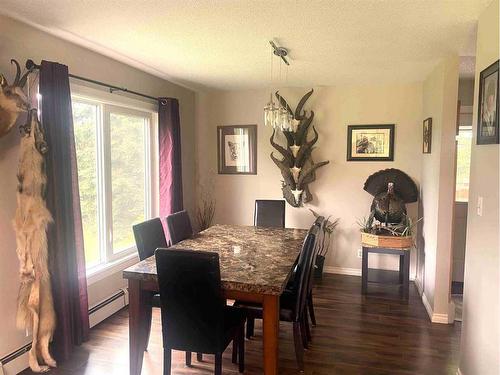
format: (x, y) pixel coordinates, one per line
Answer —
(318, 267)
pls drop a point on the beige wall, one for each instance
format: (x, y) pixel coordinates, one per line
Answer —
(21, 42)
(437, 191)
(338, 189)
(480, 349)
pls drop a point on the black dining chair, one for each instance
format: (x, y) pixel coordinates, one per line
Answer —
(269, 213)
(179, 226)
(320, 221)
(293, 302)
(149, 236)
(194, 314)
(309, 310)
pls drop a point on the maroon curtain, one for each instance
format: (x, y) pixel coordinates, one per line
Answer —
(65, 236)
(170, 156)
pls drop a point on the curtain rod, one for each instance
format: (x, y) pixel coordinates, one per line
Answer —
(30, 65)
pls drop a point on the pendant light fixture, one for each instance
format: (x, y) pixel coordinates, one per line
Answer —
(275, 114)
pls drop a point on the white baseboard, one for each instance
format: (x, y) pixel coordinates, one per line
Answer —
(419, 286)
(16, 365)
(108, 309)
(349, 271)
(342, 271)
(434, 317)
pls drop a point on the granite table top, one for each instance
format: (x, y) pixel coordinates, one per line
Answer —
(252, 259)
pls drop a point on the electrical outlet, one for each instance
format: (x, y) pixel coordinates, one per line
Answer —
(360, 253)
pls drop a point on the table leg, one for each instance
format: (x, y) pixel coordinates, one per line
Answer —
(364, 271)
(406, 270)
(401, 269)
(271, 307)
(139, 310)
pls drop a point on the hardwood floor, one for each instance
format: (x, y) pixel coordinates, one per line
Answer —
(373, 335)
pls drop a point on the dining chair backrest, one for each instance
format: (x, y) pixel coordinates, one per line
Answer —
(149, 236)
(303, 271)
(320, 221)
(192, 303)
(269, 213)
(179, 226)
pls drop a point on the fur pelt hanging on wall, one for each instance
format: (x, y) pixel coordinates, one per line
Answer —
(35, 304)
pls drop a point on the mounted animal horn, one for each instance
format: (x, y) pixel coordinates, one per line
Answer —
(297, 167)
(13, 100)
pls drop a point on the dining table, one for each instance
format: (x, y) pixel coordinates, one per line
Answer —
(255, 265)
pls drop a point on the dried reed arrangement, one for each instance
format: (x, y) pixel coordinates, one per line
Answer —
(205, 212)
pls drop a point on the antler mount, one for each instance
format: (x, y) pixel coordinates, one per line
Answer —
(297, 166)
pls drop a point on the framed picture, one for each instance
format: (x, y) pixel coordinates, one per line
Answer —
(370, 142)
(487, 114)
(237, 149)
(427, 136)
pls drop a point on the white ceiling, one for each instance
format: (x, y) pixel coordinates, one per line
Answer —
(224, 43)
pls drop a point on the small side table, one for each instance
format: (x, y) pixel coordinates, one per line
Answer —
(404, 267)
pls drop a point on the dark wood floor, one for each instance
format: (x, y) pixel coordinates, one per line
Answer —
(373, 335)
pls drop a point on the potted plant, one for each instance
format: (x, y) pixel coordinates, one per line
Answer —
(324, 244)
(205, 211)
(398, 235)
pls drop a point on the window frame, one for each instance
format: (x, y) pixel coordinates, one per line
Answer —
(106, 104)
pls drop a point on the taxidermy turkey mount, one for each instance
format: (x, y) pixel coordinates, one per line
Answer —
(297, 166)
(392, 189)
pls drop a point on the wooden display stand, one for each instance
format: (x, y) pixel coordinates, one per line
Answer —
(404, 264)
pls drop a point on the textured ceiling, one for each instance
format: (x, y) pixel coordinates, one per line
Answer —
(224, 44)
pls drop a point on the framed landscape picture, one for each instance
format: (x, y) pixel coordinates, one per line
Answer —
(427, 136)
(370, 142)
(487, 115)
(237, 149)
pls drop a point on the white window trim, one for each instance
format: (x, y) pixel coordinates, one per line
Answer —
(118, 262)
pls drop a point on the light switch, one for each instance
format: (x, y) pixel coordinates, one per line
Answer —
(480, 206)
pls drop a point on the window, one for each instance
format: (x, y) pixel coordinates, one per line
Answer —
(464, 143)
(114, 173)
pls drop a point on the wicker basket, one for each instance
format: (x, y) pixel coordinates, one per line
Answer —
(394, 242)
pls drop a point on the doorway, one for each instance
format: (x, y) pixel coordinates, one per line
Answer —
(463, 155)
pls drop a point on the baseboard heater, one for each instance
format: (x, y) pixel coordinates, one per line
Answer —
(114, 297)
(122, 293)
(19, 352)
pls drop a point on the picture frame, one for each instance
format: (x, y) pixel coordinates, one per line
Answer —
(237, 149)
(488, 131)
(370, 142)
(427, 136)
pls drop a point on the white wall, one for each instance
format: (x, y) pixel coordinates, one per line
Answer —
(21, 42)
(480, 350)
(338, 189)
(437, 191)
